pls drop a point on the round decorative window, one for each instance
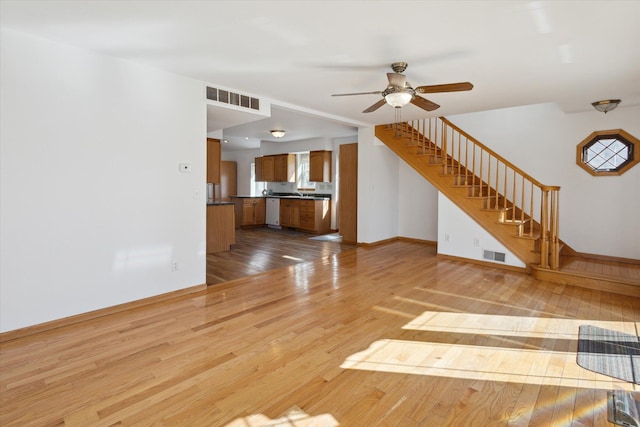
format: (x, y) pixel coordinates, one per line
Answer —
(608, 152)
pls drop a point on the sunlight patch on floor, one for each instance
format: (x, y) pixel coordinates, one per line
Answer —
(293, 417)
(479, 363)
(521, 326)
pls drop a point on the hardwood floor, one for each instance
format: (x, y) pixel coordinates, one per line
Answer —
(385, 335)
(261, 249)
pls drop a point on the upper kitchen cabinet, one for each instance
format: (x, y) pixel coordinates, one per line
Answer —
(320, 166)
(258, 169)
(268, 168)
(276, 168)
(285, 168)
(214, 158)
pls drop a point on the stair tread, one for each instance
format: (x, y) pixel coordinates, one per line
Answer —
(514, 221)
(464, 185)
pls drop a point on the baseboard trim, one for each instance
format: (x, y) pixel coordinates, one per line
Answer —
(404, 239)
(422, 241)
(66, 321)
(378, 243)
(485, 263)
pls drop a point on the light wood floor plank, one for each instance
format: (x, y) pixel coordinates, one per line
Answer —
(334, 338)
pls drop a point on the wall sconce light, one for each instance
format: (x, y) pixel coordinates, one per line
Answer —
(606, 105)
(277, 133)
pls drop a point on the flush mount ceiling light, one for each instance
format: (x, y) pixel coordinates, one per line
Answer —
(606, 105)
(277, 133)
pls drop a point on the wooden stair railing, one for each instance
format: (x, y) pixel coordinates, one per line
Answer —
(519, 199)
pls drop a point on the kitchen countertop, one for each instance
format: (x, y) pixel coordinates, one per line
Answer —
(220, 203)
(288, 196)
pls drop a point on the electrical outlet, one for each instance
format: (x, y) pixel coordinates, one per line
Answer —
(174, 265)
(446, 237)
(476, 242)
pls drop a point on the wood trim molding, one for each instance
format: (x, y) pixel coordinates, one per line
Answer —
(609, 258)
(66, 321)
(573, 278)
(378, 243)
(424, 242)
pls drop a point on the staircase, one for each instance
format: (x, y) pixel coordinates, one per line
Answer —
(519, 211)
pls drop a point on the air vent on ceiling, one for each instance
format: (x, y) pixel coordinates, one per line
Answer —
(494, 256)
(231, 98)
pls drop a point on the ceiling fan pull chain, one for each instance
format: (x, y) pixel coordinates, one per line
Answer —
(398, 133)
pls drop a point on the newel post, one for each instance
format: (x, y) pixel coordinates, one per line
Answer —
(555, 228)
(544, 232)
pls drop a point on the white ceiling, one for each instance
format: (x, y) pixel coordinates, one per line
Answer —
(298, 53)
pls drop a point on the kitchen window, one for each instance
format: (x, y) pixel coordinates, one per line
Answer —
(256, 186)
(302, 172)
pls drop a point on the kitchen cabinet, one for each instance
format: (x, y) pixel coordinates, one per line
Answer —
(320, 166)
(268, 168)
(285, 168)
(214, 157)
(348, 204)
(228, 180)
(249, 211)
(290, 213)
(276, 168)
(220, 227)
(258, 169)
(315, 216)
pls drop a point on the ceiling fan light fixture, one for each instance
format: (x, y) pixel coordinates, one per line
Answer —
(398, 99)
(277, 133)
(606, 105)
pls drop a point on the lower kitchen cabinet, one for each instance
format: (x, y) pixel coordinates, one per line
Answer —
(290, 213)
(315, 216)
(249, 211)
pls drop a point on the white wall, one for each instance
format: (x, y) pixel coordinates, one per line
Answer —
(598, 215)
(417, 206)
(461, 236)
(378, 186)
(93, 209)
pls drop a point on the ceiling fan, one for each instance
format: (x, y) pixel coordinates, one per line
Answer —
(400, 93)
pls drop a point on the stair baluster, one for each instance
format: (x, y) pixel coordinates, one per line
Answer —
(505, 188)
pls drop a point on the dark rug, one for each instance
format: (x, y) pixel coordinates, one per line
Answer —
(608, 352)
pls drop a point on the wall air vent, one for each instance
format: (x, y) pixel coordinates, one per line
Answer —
(494, 256)
(231, 98)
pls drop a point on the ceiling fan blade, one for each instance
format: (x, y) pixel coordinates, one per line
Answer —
(424, 103)
(378, 92)
(450, 87)
(375, 106)
(396, 79)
